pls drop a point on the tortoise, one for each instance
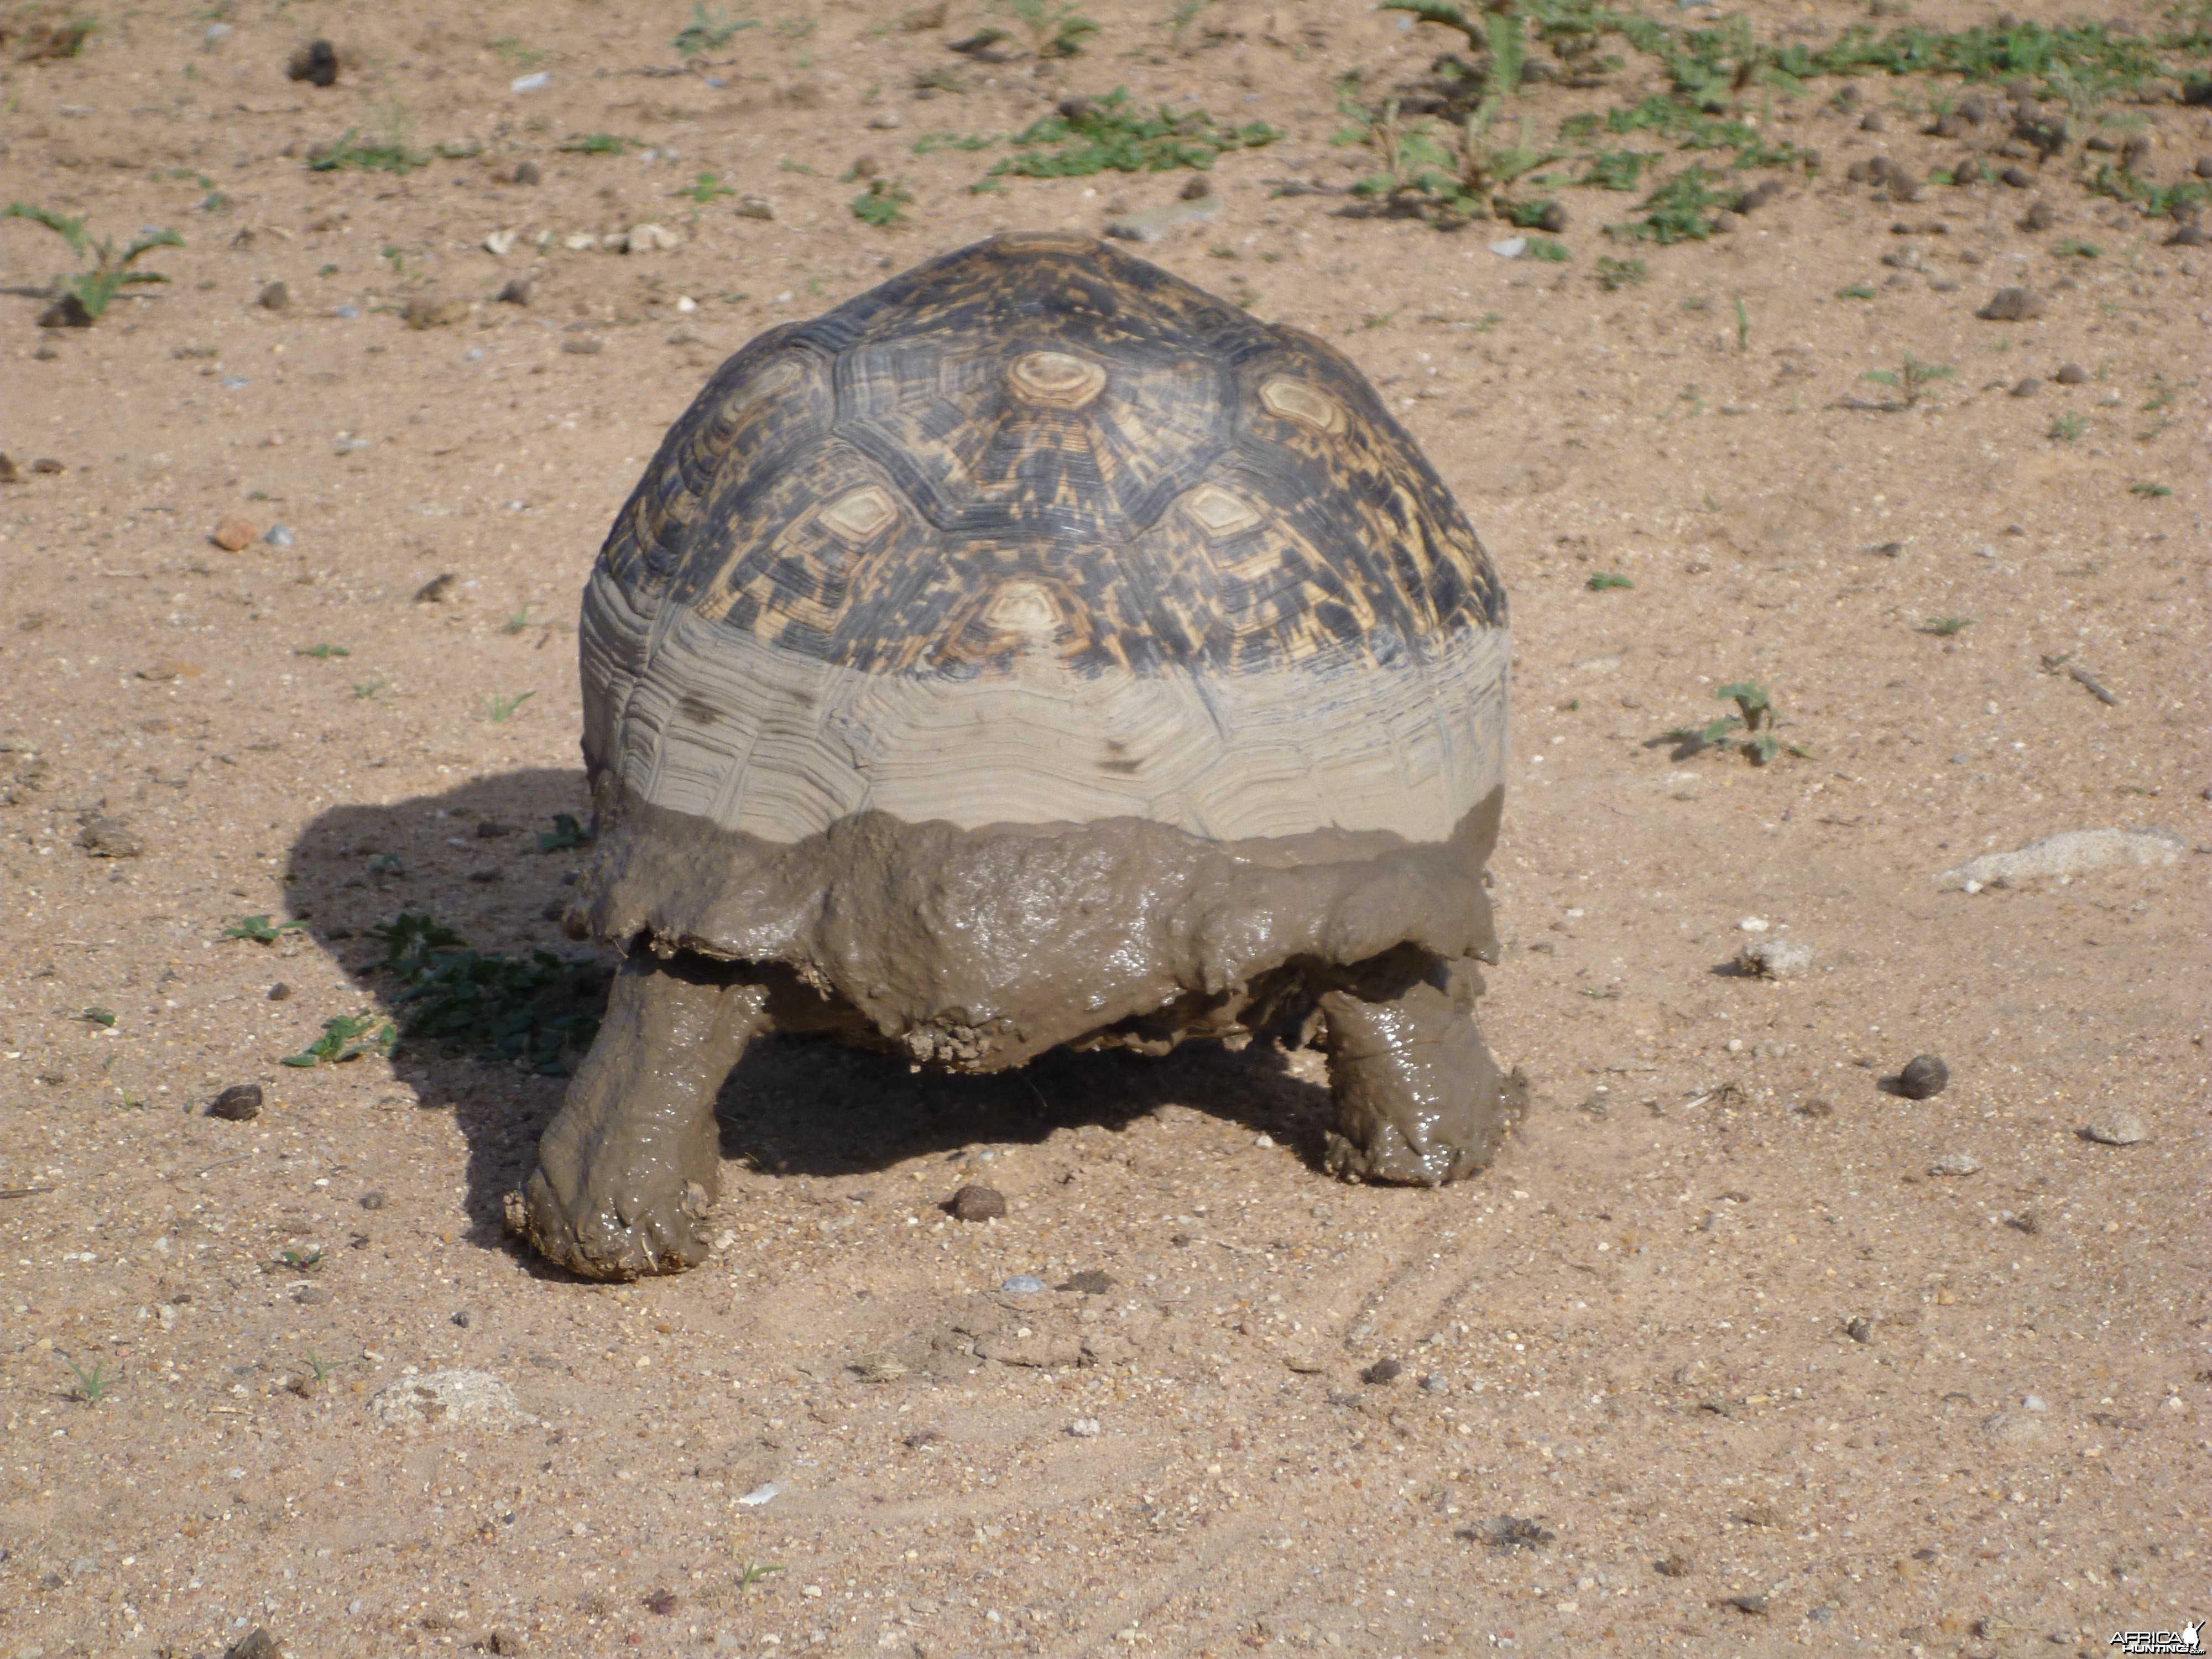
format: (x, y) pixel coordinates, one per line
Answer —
(1033, 650)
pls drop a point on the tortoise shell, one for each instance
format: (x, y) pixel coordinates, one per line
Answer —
(1038, 533)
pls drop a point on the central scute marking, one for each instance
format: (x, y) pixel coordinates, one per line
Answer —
(1023, 608)
(1218, 513)
(860, 514)
(1056, 378)
(1294, 400)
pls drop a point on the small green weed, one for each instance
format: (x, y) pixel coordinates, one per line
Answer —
(1754, 718)
(501, 709)
(518, 622)
(930, 142)
(320, 1369)
(321, 652)
(1606, 580)
(705, 190)
(103, 1017)
(1054, 30)
(261, 930)
(92, 1385)
(2079, 249)
(753, 1573)
(2150, 492)
(1944, 627)
(1911, 376)
(81, 298)
(515, 55)
(1679, 211)
(595, 144)
(365, 689)
(342, 1040)
(1615, 169)
(1856, 291)
(1614, 275)
(1743, 325)
(532, 1011)
(709, 31)
(1545, 248)
(882, 203)
(387, 155)
(566, 834)
(2157, 201)
(1104, 134)
(303, 1262)
(2065, 428)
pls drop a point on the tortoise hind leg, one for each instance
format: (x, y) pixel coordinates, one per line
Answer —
(627, 1172)
(1419, 1098)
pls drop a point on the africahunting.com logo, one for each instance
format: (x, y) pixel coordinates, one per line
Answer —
(2189, 1638)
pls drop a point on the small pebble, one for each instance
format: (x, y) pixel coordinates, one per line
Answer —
(2117, 1129)
(2011, 304)
(886, 121)
(974, 1203)
(1955, 1163)
(275, 297)
(233, 534)
(1873, 121)
(1754, 1604)
(279, 536)
(505, 1642)
(1434, 1384)
(760, 1495)
(345, 311)
(1091, 1282)
(311, 1295)
(256, 1644)
(1084, 1428)
(526, 172)
(1023, 1285)
(462, 1318)
(239, 1103)
(1923, 1077)
(2040, 216)
(1382, 1371)
(371, 1200)
(2027, 386)
(1674, 1564)
(515, 291)
(109, 838)
(2018, 178)
(280, 992)
(1860, 1329)
(428, 310)
(755, 207)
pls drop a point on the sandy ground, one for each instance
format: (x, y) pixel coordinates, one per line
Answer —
(1710, 1362)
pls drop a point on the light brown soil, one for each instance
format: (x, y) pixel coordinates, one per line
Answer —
(1638, 1328)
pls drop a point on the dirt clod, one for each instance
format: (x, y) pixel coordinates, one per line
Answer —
(238, 1103)
(1382, 1371)
(1924, 1077)
(1674, 1564)
(233, 534)
(977, 1203)
(316, 63)
(256, 1644)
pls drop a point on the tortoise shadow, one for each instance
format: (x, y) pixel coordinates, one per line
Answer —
(471, 858)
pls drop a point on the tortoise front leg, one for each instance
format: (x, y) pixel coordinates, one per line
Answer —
(628, 1171)
(1419, 1098)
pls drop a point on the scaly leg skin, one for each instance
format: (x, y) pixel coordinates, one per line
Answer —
(1419, 1098)
(628, 1171)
